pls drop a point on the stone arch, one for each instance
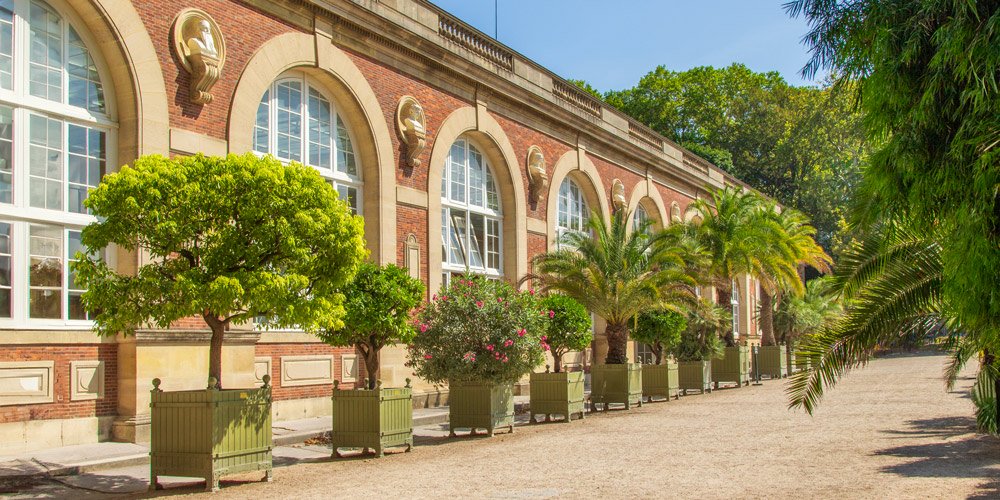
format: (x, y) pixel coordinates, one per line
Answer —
(355, 100)
(575, 165)
(487, 134)
(114, 31)
(646, 194)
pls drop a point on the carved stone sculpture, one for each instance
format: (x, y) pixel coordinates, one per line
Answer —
(618, 194)
(201, 50)
(412, 127)
(538, 179)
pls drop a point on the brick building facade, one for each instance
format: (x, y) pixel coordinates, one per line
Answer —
(327, 82)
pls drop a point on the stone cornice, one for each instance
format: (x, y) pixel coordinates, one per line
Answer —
(168, 336)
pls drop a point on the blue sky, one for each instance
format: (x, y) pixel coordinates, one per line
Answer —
(611, 44)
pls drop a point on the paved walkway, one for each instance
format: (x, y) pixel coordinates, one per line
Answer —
(888, 431)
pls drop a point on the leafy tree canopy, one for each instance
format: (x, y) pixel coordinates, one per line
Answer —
(379, 302)
(569, 326)
(661, 329)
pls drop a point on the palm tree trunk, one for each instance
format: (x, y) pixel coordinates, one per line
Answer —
(766, 318)
(617, 335)
(725, 302)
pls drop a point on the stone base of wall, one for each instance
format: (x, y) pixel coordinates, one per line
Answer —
(31, 435)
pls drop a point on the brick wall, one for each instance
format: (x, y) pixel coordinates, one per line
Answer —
(276, 351)
(62, 407)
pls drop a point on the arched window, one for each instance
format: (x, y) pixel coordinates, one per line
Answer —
(572, 212)
(296, 121)
(639, 218)
(471, 217)
(56, 140)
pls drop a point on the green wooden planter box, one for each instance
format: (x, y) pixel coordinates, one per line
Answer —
(660, 381)
(771, 361)
(209, 433)
(480, 405)
(376, 419)
(557, 394)
(694, 376)
(733, 367)
(621, 384)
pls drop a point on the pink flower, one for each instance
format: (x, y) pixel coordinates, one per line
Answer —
(522, 332)
(531, 291)
(545, 338)
(508, 343)
(423, 327)
(434, 297)
(428, 356)
(500, 300)
(552, 314)
(489, 347)
(479, 303)
(444, 298)
(504, 359)
(545, 346)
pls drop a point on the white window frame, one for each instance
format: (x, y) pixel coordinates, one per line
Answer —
(578, 210)
(332, 175)
(451, 207)
(19, 213)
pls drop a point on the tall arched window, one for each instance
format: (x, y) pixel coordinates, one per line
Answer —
(471, 217)
(56, 140)
(639, 218)
(572, 212)
(296, 121)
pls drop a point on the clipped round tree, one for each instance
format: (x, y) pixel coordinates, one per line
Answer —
(700, 340)
(479, 330)
(661, 330)
(228, 239)
(569, 327)
(379, 302)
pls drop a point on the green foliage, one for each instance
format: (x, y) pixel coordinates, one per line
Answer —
(661, 329)
(616, 273)
(479, 329)
(803, 146)
(700, 339)
(223, 238)
(569, 326)
(798, 316)
(379, 302)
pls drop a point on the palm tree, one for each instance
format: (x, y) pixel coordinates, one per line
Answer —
(743, 234)
(617, 273)
(799, 246)
(798, 316)
(891, 285)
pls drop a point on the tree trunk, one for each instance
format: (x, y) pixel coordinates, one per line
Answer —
(725, 302)
(557, 361)
(215, 348)
(370, 355)
(766, 318)
(657, 349)
(617, 335)
(988, 360)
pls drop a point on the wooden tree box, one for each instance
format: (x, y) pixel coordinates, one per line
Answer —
(376, 419)
(480, 405)
(557, 394)
(771, 361)
(620, 384)
(209, 433)
(660, 381)
(733, 367)
(694, 376)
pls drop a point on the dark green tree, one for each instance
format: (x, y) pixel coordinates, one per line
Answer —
(661, 330)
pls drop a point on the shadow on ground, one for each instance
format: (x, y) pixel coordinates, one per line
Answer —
(960, 454)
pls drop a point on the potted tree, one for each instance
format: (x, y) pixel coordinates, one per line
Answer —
(379, 302)
(661, 330)
(480, 336)
(569, 329)
(616, 271)
(700, 343)
(228, 239)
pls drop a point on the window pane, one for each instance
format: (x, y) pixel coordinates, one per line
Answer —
(350, 195)
(45, 163)
(459, 238)
(346, 159)
(458, 171)
(7, 44)
(5, 277)
(320, 130)
(477, 240)
(477, 179)
(261, 130)
(6, 156)
(493, 244)
(85, 88)
(289, 126)
(86, 164)
(45, 270)
(45, 54)
(492, 199)
(75, 308)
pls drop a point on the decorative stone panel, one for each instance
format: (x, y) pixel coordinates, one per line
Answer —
(306, 370)
(86, 380)
(261, 367)
(349, 368)
(26, 382)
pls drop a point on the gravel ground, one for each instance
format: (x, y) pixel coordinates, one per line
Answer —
(887, 431)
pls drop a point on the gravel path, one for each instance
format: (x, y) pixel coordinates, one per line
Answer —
(887, 431)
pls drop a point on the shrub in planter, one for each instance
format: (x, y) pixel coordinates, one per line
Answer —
(480, 336)
(700, 343)
(569, 329)
(378, 305)
(661, 330)
(229, 239)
